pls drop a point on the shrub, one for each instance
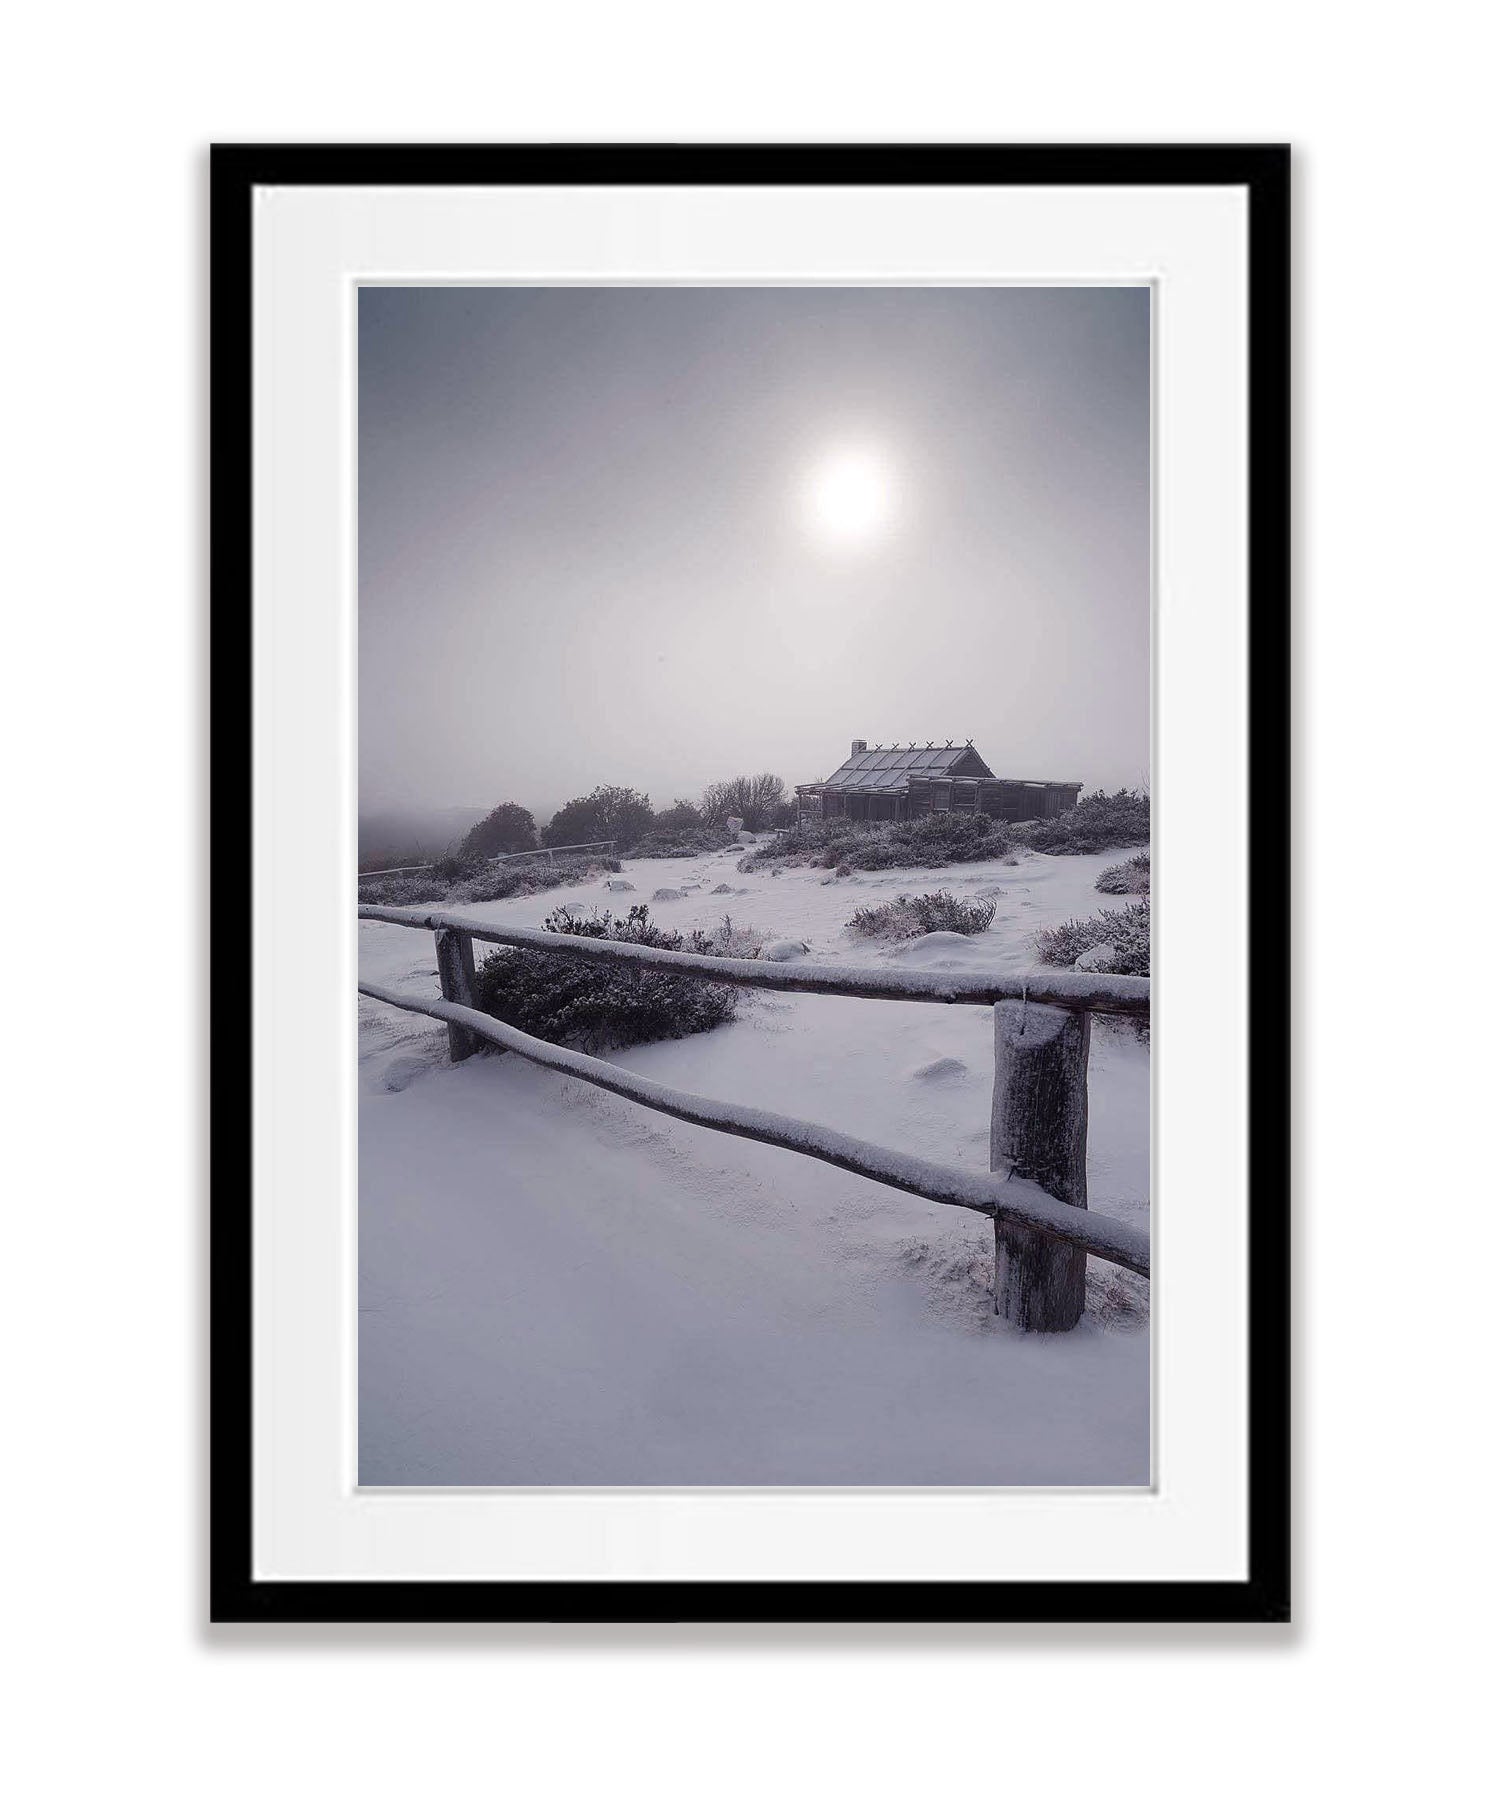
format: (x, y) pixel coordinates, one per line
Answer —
(683, 841)
(1100, 821)
(940, 838)
(508, 827)
(403, 890)
(457, 866)
(1127, 931)
(601, 1006)
(909, 916)
(466, 883)
(1133, 877)
(502, 881)
(818, 841)
(728, 939)
(609, 812)
(930, 842)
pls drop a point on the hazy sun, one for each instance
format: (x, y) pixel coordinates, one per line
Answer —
(850, 496)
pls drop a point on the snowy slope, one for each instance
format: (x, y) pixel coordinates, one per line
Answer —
(559, 1288)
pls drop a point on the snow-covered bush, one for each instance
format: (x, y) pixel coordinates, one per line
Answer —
(798, 849)
(1133, 877)
(930, 842)
(503, 880)
(1127, 931)
(727, 939)
(459, 881)
(601, 1006)
(403, 890)
(909, 916)
(682, 840)
(1100, 821)
(460, 865)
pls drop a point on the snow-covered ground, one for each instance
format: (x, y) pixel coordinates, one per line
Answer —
(559, 1288)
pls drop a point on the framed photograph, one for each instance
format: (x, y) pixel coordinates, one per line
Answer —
(756, 1087)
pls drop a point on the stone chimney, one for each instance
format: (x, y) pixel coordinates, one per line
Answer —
(857, 746)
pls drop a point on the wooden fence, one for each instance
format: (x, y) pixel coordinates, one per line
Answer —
(1037, 1191)
(553, 851)
(550, 851)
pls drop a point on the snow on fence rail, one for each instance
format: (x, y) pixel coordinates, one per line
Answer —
(1126, 994)
(1036, 1193)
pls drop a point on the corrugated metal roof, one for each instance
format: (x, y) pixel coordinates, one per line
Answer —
(890, 770)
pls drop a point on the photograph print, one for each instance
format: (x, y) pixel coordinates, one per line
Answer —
(754, 700)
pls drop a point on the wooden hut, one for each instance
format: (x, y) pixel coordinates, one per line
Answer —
(893, 781)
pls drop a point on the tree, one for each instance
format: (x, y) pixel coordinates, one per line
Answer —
(681, 815)
(508, 827)
(753, 798)
(609, 812)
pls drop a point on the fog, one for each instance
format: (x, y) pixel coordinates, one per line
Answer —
(663, 536)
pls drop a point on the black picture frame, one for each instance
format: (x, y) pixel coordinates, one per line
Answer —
(1263, 172)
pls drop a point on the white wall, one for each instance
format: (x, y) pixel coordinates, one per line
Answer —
(1376, 1690)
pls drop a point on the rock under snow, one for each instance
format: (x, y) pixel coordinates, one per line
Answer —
(667, 894)
(1098, 961)
(783, 950)
(723, 888)
(945, 1068)
(618, 885)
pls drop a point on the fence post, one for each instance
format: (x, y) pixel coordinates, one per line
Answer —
(455, 961)
(1039, 1128)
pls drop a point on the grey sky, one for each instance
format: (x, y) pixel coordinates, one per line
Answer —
(587, 553)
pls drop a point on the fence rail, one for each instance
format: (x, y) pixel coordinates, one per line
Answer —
(1017, 1201)
(405, 869)
(1129, 995)
(550, 851)
(1036, 1192)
